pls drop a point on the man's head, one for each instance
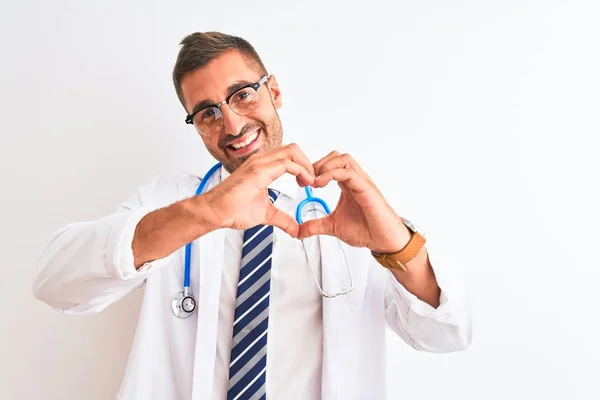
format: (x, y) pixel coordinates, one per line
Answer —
(213, 67)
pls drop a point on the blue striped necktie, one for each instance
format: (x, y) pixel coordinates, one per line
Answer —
(248, 362)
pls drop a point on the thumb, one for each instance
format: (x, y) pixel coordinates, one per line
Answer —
(319, 226)
(282, 220)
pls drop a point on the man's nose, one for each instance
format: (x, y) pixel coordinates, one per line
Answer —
(232, 123)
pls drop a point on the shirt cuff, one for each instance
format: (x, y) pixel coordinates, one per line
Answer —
(417, 305)
(449, 295)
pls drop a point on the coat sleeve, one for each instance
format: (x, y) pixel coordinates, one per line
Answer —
(443, 329)
(87, 266)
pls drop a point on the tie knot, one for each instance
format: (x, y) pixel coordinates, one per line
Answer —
(273, 195)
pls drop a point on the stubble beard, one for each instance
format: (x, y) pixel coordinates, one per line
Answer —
(273, 137)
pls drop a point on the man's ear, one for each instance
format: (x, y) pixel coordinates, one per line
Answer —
(274, 91)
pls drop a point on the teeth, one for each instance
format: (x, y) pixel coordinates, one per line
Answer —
(246, 142)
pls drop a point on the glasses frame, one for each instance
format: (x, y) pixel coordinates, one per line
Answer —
(189, 119)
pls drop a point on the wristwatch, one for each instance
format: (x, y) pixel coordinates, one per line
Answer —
(399, 259)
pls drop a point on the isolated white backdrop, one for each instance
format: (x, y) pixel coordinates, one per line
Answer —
(479, 120)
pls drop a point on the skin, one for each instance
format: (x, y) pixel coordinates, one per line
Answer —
(362, 218)
(210, 83)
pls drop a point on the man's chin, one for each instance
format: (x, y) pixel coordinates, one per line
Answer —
(240, 160)
(235, 162)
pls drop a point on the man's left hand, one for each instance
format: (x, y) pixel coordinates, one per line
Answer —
(362, 218)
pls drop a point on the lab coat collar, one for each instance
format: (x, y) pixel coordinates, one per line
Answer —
(285, 184)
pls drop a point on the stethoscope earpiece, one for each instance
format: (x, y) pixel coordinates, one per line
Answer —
(326, 211)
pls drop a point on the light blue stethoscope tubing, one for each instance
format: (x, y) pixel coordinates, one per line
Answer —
(188, 247)
(309, 199)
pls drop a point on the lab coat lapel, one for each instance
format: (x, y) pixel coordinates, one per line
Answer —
(340, 337)
(207, 287)
(331, 324)
(341, 319)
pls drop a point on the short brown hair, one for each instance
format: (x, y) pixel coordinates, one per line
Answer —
(199, 49)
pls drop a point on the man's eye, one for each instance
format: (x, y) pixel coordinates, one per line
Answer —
(242, 95)
(207, 114)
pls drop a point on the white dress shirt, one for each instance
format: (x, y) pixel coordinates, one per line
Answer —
(295, 333)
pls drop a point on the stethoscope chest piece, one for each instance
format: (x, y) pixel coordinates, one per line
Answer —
(183, 305)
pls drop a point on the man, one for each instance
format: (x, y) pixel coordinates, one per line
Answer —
(277, 337)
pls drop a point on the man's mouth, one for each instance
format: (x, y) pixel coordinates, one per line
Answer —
(246, 144)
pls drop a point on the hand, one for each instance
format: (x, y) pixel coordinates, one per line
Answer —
(362, 217)
(241, 201)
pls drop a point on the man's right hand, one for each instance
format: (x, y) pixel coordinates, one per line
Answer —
(241, 201)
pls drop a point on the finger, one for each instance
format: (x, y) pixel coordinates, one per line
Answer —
(276, 168)
(350, 178)
(319, 226)
(340, 161)
(298, 156)
(300, 182)
(290, 152)
(318, 165)
(283, 221)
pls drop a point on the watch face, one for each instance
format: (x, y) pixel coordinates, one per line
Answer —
(409, 224)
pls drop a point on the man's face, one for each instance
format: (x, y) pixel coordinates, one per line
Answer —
(215, 82)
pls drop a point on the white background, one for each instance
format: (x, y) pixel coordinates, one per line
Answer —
(478, 119)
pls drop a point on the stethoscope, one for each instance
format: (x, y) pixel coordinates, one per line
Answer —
(184, 302)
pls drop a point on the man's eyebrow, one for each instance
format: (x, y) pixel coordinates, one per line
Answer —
(235, 86)
(201, 105)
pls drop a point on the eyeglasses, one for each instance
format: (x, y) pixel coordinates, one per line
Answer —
(209, 120)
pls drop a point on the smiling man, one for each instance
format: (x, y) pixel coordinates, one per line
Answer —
(251, 322)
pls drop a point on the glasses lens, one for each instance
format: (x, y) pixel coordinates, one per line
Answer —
(208, 121)
(244, 101)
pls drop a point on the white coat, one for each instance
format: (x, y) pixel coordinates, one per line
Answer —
(80, 272)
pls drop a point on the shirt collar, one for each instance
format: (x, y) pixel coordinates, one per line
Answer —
(286, 184)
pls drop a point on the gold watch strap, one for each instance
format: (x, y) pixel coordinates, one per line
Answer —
(399, 259)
